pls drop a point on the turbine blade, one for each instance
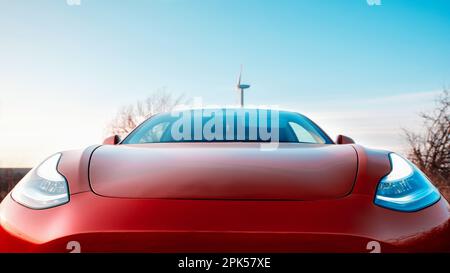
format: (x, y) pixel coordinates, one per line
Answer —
(240, 78)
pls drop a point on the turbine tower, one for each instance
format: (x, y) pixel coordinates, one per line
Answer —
(241, 87)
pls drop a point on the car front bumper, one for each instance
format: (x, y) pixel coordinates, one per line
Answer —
(92, 223)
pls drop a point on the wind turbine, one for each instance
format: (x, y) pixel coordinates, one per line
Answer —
(241, 87)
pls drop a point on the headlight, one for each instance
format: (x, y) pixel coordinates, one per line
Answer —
(43, 187)
(405, 188)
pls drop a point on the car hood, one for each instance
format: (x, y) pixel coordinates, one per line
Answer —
(234, 171)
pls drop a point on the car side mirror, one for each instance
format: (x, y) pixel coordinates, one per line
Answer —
(112, 140)
(341, 139)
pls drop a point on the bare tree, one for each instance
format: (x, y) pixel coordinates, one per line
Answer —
(430, 150)
(130, 116)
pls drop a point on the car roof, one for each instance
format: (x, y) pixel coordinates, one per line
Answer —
(232, 108)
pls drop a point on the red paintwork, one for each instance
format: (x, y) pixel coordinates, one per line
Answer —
(344, 140)
(74, 166)
(112, 140)
(238, 171)
(326, 221)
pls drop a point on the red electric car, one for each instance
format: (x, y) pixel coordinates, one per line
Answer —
(225, 180)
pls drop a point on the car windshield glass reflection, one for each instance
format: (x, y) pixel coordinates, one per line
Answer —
(228, 125)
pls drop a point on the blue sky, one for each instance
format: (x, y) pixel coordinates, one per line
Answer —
(356, 69)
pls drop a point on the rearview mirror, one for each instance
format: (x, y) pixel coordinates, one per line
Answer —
(341, 139)
(112, 140)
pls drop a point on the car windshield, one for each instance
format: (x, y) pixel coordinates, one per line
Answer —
(228, 125)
